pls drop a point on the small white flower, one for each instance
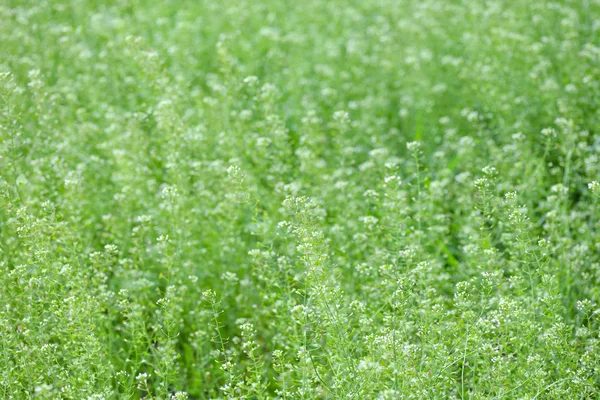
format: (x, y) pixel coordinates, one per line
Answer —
(341, 117)
(163, 239)
(413, 146)
(251, 80)
(490, 171)
(371, 194)
(169, 191)
(445, 120)
(111, 249)
(142, 377)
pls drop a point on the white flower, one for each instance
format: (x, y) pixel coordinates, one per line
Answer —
(490, 171)
(341, 117)
(413, 146)
(549, 132)
(169, 191)
(142, 377)
(251, 80)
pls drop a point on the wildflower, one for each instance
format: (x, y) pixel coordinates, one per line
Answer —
(251, 80)
(111, 249)
(549, 132)
(169, 192)
(490, 171)
(162, 239)
(413, 146)
(342, 117)
(235, 174)
(371, 194)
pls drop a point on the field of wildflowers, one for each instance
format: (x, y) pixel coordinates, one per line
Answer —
(262, 199)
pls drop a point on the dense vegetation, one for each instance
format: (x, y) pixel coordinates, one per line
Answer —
(323, 199)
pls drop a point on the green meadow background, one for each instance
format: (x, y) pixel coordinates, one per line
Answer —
(271, 199)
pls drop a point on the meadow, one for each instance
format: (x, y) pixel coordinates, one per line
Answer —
(323, 199)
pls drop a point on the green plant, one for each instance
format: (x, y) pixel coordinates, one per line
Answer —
(299, 200)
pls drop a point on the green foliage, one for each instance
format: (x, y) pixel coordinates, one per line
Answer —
(263, 199)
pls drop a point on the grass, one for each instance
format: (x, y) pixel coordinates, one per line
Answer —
(299, 200)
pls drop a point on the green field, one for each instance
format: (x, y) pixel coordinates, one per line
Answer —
(322, 199)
